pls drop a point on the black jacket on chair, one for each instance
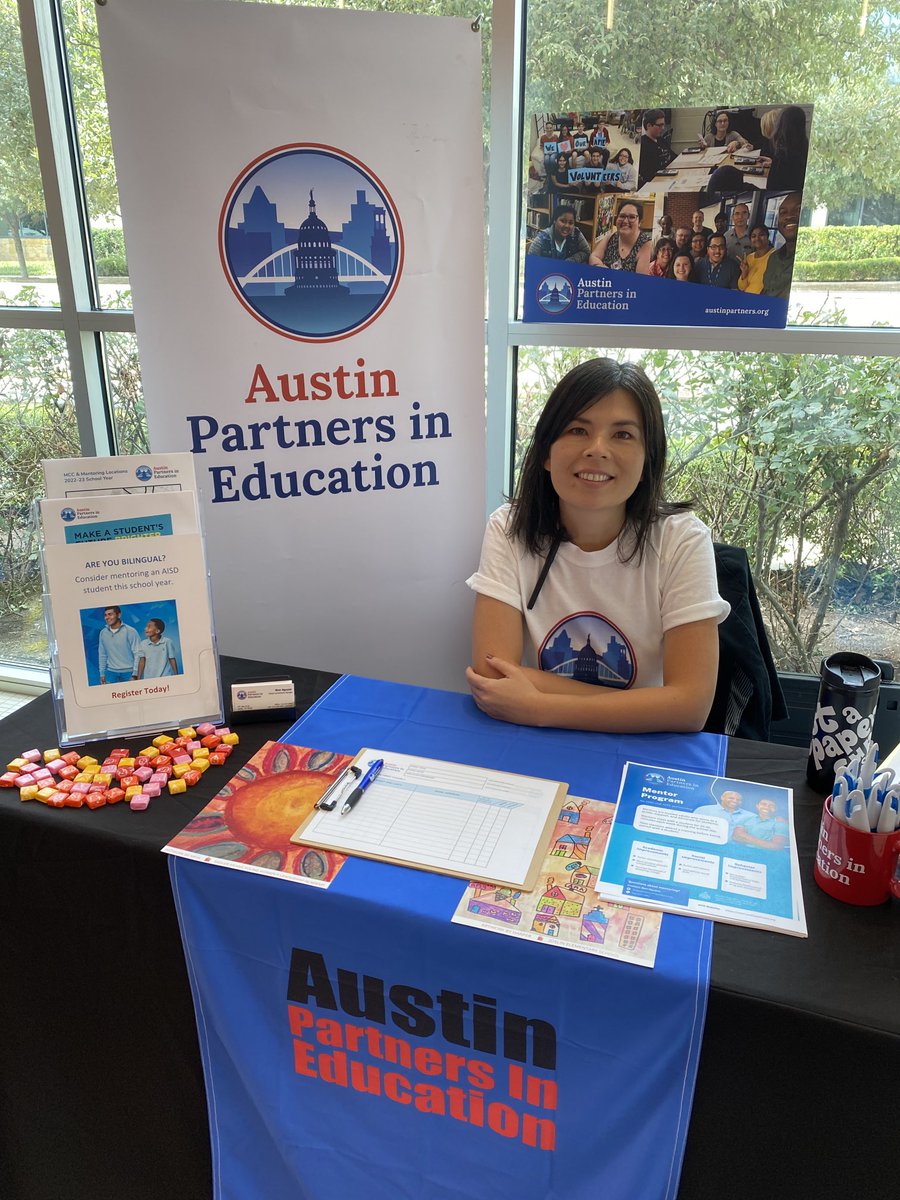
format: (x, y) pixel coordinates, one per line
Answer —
(748, 695)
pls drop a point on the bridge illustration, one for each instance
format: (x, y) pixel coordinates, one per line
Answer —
(278, 267)
(604, 671)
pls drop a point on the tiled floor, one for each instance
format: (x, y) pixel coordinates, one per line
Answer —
(10, 701)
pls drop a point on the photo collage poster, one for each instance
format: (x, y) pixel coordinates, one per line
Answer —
(624, 207)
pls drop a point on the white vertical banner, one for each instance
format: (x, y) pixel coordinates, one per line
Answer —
(302, 200)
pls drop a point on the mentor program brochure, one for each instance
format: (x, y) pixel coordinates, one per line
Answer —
(704, 846)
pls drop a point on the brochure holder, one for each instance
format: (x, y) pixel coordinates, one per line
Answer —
(126, 582)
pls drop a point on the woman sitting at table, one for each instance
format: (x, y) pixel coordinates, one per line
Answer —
(681, 268)
(627, 247)
(606, 590)
(767, 123)
(665, 248)
(723, 134)
(790, 150)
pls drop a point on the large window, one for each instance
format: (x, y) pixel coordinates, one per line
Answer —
(787, 441)
(839, 55)
(790, 457)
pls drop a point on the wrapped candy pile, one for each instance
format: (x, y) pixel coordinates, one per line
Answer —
(72, 780)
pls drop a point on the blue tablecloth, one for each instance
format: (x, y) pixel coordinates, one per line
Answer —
(355, 1042)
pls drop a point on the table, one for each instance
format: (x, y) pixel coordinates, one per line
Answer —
(693, 171)
(102, 1092)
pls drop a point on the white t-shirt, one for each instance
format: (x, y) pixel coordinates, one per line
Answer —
(598, 619)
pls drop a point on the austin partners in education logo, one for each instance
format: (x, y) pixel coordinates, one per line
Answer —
(555, 293)
(144, 473)
(67, 514)
(311, 242)
(587, 646)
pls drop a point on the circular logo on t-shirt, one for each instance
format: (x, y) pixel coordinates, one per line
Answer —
(588, 647)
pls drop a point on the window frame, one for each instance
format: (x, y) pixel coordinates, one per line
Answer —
(84, 323)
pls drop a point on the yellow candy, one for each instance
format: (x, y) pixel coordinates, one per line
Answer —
(180, 769)
(100, 777)
(231, 739)
(149, 752)
(160, 741)
(134, 790)
(188, 732)
(201, 752)
(83, 777)
(87, 761)
(201, 764)
(45, 793)
(29, 793)
(49, 755)
(21, 764)
(124, 762)
(175, 786)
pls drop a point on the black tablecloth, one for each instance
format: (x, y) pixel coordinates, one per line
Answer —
(101, 1089)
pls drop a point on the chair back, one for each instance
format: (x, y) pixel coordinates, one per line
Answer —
(748, 694)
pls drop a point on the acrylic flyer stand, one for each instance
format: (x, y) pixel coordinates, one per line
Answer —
(127, 597)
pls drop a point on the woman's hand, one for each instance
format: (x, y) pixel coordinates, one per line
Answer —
(512, 697)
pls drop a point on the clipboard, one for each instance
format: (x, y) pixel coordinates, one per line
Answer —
(449, 818)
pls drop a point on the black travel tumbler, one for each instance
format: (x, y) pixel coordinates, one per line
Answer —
(845, 714)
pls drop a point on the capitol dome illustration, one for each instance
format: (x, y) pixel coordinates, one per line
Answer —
(315, 259)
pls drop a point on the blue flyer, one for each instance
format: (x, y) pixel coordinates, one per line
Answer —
(704, 846)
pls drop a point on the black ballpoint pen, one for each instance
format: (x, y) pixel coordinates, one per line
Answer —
(370, 775)
(330, 797)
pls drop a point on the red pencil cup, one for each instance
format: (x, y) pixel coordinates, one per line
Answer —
(854, 866)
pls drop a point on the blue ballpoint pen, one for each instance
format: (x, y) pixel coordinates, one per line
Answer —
(370, 775)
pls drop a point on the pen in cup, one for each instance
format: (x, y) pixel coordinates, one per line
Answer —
(866, 796)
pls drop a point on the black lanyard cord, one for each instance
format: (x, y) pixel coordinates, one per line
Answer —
(548, 562)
